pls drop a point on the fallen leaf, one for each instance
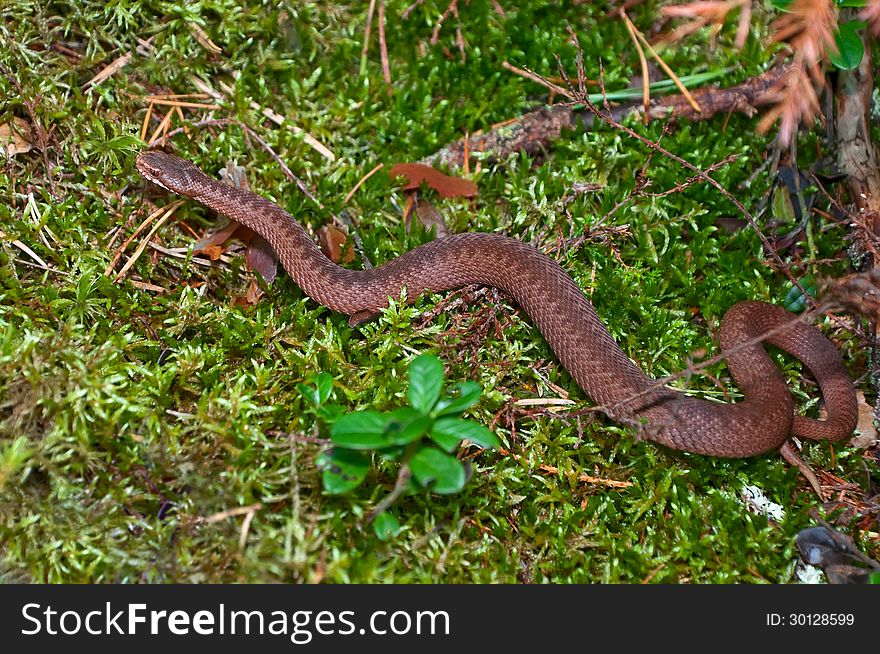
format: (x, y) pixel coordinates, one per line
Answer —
(430, 217)
(251, 297)
(865, 426)
(213, 251)
(254, 292)
(12, 137)
(235, 175)
(335, 244)
(446, 185)
(836, 553)
(408, 209)
(204, 40)
(260, 257)
(217, 237)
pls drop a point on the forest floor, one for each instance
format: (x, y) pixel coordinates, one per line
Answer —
(152, 426)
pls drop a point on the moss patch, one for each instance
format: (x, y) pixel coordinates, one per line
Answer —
(128, 417)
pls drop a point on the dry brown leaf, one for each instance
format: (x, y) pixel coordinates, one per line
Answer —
(705, 12)
(866, 427)
(13, 137)
(797, 104)
(808, 25)
(204, 40)
(446, 185)
(260, 257)
(430, 217)
(251, 296)
(218, 238)
(213, 251)
(335, 244)
(871, 13)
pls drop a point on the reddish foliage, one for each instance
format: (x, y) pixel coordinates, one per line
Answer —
(445, 185)
(335, 244)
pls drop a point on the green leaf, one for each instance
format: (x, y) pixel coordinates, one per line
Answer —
(330, 413)
(386, 526)
(794, 300)
(391, 453)
(307, 392)
(783, 209)
(402, 416)
(468, 395)
(852, 3)
(425, 382)
(320, 392)
(364, 430)
(406, 425)
(446, 442)
(476, 433)
(438, 471)
(323, 387)
(850, 48)
(343, 470)
(656, 88)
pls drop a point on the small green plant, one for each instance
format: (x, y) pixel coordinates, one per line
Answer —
(421, 437)
(794, 299)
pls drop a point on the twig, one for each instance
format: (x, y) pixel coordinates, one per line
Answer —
(690, 181)
(43, 135)
(162, 129)
(360, 182)
(383, 48)
(296, 501)
(538, 79)
(400, 487)
(137, 253)
(451, 9)
(534, 131)
(582, 477)
(663, 65)
(231, 513)
(247, 130)
(275, 117)
(411, 8)
(613, 122)
(367, 29)
(167, 211)
(186, 253)
(246, 526)
(33, 255)
(646, 85)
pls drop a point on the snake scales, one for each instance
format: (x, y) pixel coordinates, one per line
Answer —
(761, 422)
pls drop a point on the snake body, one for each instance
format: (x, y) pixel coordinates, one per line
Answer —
(761, 422)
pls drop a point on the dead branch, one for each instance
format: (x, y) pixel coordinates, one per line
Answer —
(533, 132)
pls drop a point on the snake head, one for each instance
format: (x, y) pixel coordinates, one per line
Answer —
(171, 173)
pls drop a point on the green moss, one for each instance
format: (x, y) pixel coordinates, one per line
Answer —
(127, 417)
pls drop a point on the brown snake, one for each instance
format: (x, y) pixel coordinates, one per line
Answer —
(761, 422)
